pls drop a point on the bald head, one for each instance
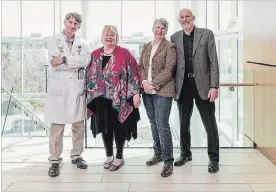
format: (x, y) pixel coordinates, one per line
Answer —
(186, 19)
(186, 10)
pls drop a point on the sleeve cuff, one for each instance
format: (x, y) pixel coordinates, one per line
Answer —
(143, 81)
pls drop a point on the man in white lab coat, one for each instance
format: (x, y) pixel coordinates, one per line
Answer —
(65, 100)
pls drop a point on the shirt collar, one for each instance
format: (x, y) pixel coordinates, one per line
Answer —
(152, 43)
(192, 32)
(67, 39)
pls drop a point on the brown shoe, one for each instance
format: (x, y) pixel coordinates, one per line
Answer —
(154, 160)
(167, 170)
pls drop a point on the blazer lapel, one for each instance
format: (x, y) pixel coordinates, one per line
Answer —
(180, 40)
(160, 47)
(197, 36)
(74, 46)
(147, 56)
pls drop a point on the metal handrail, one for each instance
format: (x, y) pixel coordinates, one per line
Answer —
(29, 110)
(237, 84)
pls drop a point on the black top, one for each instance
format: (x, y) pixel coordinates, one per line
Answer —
(105, 60)
(188, 41)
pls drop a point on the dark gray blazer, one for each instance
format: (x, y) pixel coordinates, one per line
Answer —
(205, 61)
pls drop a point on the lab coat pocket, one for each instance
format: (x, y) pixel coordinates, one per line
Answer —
(55, 88)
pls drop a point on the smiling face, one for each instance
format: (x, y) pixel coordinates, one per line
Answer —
(159, 32)
(71, 26)
(186, 19)
(110, 36)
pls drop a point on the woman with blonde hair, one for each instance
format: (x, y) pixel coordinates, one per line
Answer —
(113, 84)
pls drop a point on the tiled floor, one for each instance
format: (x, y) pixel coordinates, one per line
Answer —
(25, 166)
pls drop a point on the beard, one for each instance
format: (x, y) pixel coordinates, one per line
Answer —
(188, 27)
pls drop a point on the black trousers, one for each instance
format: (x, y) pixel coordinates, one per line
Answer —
(108, 139)
(189, 93)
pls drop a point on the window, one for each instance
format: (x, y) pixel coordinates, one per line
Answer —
(137, 18)
(199, 10)
(98, 14)
(67, 7)
(212, 15)
(169, 11)
(225, 10)
(11, 14)
(11, 45)
(37, 18)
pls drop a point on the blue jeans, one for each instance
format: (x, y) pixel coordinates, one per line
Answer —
(158, 110)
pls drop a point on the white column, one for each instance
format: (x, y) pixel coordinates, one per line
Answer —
(84, 16)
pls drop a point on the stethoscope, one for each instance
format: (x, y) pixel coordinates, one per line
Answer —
(82, 71)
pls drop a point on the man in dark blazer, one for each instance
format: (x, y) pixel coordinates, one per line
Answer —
(197, 78)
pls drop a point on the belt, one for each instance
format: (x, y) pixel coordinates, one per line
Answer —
(191, 75)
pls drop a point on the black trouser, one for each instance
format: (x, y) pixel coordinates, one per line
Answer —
(108, 139)
(206, 109)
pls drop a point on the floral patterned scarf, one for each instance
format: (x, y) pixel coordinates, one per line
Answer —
(118, 81)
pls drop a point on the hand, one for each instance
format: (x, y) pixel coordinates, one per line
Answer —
(147, 87)
(136, 100)
(56, 61)
(213, 94)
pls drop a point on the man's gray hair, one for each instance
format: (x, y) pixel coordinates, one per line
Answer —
(161, 21)
(74, 15)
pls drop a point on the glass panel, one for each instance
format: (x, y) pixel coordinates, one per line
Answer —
(228, 59)
(95, 24)
(18, 118)
(70, 6)
(224, 14)
(137, 26)
(199, 10)
(212, 15)
(168, 10)
(11, 64)
(245, 116)
(11, 19)
(227, 122)
(38, 21)
(34, 71)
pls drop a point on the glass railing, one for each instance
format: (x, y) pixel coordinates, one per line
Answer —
(233, 114)
(19, 116)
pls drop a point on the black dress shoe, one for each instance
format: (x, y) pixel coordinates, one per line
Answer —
(182, 160)
(213, 167)
(81, 164)
(54, 170)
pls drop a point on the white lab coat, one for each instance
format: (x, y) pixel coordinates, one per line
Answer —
(65, 100)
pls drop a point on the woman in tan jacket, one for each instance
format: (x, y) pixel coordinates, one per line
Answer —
(157, 64)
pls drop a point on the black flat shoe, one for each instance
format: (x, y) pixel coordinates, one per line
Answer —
(81, 164)
(54, 170)
(182, 160)
(213, 167)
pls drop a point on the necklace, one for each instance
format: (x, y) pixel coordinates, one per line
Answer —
(110, 52)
